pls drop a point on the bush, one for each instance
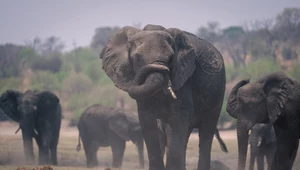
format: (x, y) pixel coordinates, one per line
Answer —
(10, 83)
(45, 80)
(77, 84)
(295, 71)
(52, 64)
(288, 53)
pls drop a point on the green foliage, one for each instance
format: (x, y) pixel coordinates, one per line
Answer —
(295, 71)
(45, 80)
(253, 70)
(52, 64)
(9, 83)
(289, 53)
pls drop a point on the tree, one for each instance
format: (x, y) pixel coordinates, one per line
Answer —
(51, 46)
(288, 24)
(235, 42)
(101, 36)
(266, 30)
(210, 33)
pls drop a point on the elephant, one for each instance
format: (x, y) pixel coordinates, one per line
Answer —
(165, 128)
(173, 76)
(102, 126)
(262, 142)
(273, 98)
(39, 116)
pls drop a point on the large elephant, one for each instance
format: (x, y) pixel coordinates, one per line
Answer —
(174, 76)
(101, 126)
(164, 129)
(39, 115)
(273, 99)
(262, 142)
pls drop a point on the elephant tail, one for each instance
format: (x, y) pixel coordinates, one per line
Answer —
(222, 144)
(79, 144)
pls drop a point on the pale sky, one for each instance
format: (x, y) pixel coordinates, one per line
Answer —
(76, 20)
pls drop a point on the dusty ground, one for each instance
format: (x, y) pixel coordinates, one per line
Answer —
(11, 151)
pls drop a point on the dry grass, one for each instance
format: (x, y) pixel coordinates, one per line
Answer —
(11, 153)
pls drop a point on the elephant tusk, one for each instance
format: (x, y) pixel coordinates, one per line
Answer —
(259, 143)
(172, 93)
(17, 130)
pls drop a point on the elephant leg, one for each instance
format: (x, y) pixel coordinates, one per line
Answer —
(260, 161)
(270, 154)
(28, 147)
(206, 133)
(44, 155)
(53, 154)
(175, 146)
(150, 133)
(186, 143)
(243, 137)
(180, 123)
(205, 142)
(287, 146)
(118, 148)
(53, 148)
(90, 151)
(253, 150)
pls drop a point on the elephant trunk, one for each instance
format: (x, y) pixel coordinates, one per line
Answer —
(27, 134)
(243, 136)
(231, 106)
(149, 81)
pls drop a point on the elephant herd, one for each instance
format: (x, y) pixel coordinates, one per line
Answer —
(178, 82)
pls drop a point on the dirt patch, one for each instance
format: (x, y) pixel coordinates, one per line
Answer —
(35, 168)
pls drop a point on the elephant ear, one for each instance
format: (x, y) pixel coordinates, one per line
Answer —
(231, 106)
(9, 102)
(183, 63)
(277, 87)
(47, 100)
(119, 124)
(115, 58)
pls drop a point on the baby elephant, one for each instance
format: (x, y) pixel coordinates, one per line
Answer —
(262, 142)
(101, 126)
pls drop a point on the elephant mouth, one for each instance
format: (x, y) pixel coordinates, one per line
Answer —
(150, 80)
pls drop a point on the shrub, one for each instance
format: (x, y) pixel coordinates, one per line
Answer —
(52, 64)
(288, 53)
(77, 84)
(45, 80)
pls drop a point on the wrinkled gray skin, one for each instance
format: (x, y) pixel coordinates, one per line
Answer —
(262, 142)
(39, 115)
(275, 99)
(101, 126)
(164, 129)
(173, 76)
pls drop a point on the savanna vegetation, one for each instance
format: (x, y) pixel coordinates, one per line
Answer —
(250, 50)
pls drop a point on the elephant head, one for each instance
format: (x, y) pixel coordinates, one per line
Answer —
(128, 128)
(31, 110)
(145, 62)
(262, 101)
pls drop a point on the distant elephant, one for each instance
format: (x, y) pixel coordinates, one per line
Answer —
(262, 142)
(101, 126)
(175, 76)
(273, 99)
(164, 129)
(39, 115)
